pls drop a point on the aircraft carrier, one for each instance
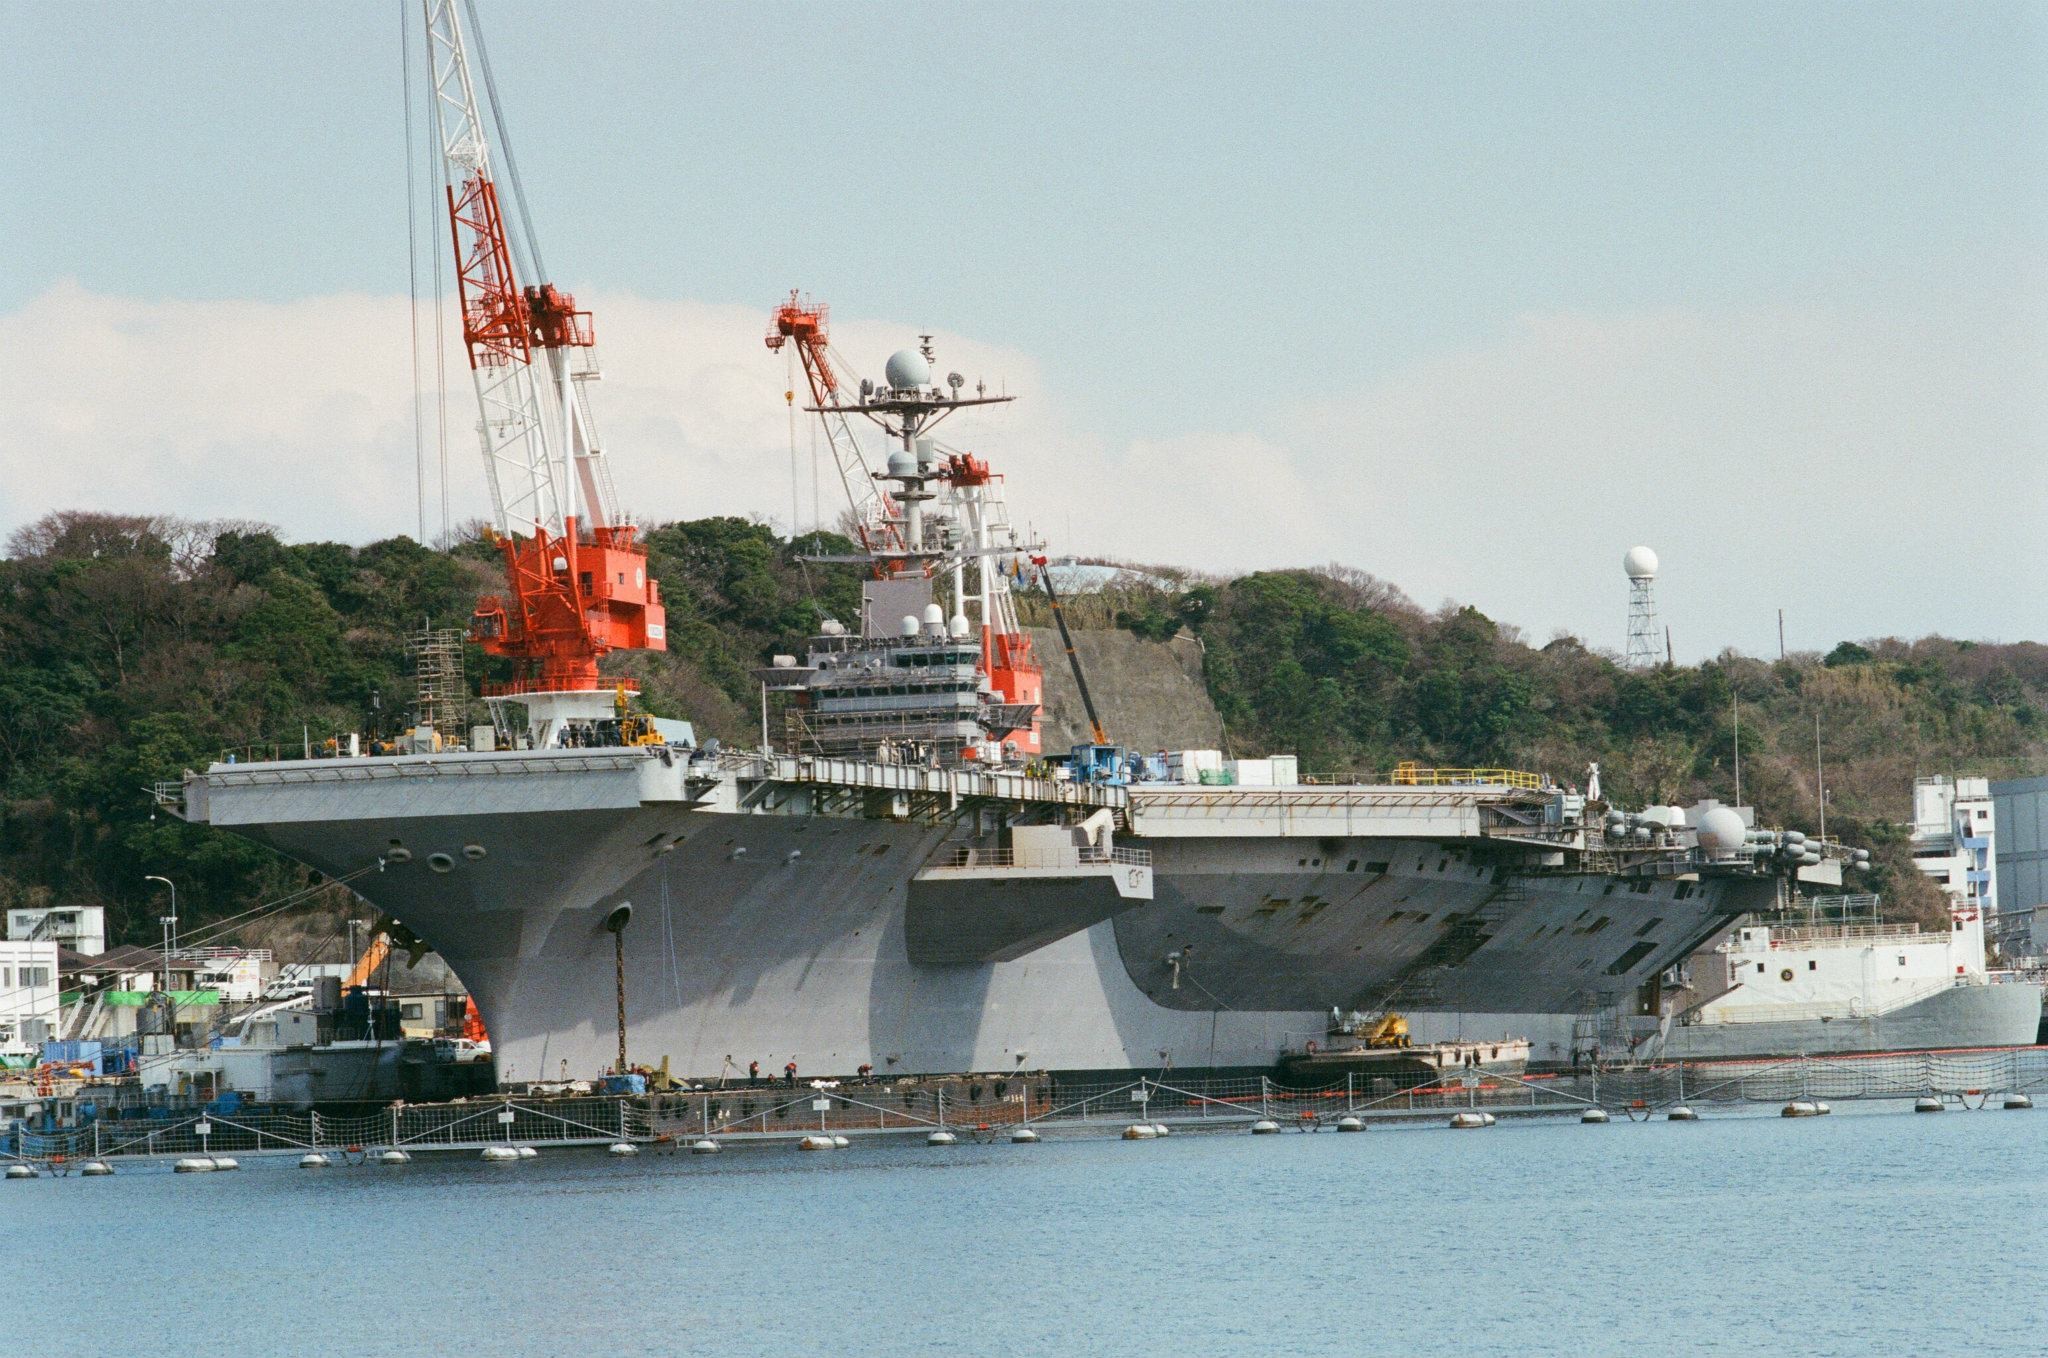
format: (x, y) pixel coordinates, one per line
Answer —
(844, 913)
(905, 881)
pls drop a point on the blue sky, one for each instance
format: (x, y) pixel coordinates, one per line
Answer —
(1191, 226)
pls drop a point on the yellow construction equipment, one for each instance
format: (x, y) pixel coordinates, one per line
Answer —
(1390, 1031)
(635, 728)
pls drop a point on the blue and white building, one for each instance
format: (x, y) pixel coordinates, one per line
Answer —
(1953, 837)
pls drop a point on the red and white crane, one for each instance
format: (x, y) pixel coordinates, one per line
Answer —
(576, 576)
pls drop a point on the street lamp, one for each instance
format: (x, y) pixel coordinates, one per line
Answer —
(170, 923)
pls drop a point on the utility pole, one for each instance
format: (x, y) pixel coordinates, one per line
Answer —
(1735, 703)
(170, 924)
(1820, 779)
(1781, 634)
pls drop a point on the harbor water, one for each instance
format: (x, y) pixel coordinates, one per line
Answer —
(1875, 1230)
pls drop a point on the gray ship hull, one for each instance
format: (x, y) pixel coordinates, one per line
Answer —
(753, 936)
(2005, 1015)
(1962, 1016)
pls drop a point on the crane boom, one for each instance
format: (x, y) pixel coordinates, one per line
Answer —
(1059, 615)
(803, 323)
(577, 581)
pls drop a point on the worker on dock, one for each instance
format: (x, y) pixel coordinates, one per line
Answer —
(753, 1072)
(789, 1073)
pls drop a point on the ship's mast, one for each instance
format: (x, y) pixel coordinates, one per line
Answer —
(931, 511)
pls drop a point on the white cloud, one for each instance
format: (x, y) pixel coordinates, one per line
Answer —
(1872, 467)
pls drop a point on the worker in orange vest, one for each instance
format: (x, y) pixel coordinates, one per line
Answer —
(789, 1073)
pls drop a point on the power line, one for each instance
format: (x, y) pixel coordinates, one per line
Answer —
(412, 269)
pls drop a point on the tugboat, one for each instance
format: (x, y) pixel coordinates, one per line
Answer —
(1380, 1047)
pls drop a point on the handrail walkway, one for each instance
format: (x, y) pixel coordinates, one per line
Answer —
(780, 1113)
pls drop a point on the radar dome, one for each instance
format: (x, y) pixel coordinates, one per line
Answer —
(1640, 563)
(907, 368)
(1721, 830)
(902, 463)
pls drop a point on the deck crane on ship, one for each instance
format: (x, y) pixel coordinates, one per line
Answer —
(577, 586)
(927, 519)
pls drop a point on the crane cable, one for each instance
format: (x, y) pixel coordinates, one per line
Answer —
(538, 271)
(412, 269)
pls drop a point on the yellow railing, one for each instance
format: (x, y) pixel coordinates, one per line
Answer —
(1408, 773)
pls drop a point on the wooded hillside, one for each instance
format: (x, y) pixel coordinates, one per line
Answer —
(134, 647)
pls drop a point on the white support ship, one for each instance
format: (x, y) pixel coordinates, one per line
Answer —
(1838, 979)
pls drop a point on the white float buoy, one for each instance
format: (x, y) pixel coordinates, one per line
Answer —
(815, 1143)
(1681, 1114)
(226, 1162)
(394, 1157)
(1024, 1136)
(1161, 1129)
(940, 1138)
(94, 1168)
(2017, 1100)
(191, 1164)
(1927, 1103)
(1350, 1124)
(498, 1155)
(528, 1153)
(314, 1160)
(705, 1147)
(1265, 1127)
(1144, 1131)
(1594, 1115)
(840, 1143)
(27, 1171)
(1800, 1108)
(624, 1148)
(1463, 1121)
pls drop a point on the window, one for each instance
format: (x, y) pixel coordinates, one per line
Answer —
(1812, 964)
(1902, 959)
(1760, 967)
(408, 1011)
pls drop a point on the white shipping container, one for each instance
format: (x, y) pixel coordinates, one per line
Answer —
(1251, 772)
(1286, 769)
(1185, 766)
